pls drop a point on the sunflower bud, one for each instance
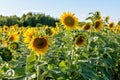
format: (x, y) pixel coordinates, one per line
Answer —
(111, 25)
(107, 18)
(47, 31)
(5, 54)
(50, 31)
(14, 45)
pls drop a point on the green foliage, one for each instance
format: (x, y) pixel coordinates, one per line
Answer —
(29, 19)
(97, 59)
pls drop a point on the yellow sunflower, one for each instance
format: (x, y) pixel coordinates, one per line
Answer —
(97, 25)
(39, 45)
(79, 40)
(22, 28)
(5, 28)
(14, 27)
(28, 34)
(13, 37)
(117, 29)
(50, 31)
(111, 25)
(69, 20)
(87, 26)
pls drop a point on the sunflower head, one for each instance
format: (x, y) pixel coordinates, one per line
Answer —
(50, 31)
(87, 26)
(14, 45)
(22, 28)
(111, 25)
(13, 37)
(97, 25)
(29, 34)
(69, 20)
(79, 40)
(5, 28)
(117, 29)
(39, 45)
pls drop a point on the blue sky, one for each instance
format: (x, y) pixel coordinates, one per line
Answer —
(55, 8)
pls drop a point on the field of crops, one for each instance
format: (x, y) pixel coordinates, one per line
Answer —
(72, 50)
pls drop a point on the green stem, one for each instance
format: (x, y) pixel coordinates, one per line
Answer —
(38, 69)
(88, 42)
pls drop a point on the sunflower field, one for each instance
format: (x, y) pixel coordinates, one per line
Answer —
(70, 51)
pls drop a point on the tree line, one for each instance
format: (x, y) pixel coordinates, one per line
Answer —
(29, 19)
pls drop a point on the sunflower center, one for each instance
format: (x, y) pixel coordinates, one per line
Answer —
(111, 25)
(6, 28)
(40, 43)
(97, 24)
(80, 40)
(87, 27)
(69, 21)
(11, 38)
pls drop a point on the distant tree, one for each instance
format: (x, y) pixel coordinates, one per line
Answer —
(29, 19)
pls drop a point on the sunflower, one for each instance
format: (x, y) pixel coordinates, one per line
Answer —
(29, 34)
(22, 28)
(50, 31)
(97, 25)
(13, 37)
(14, 45)
(39, 45)
(79, 40)
(107, 19)
(5, 28)
(14, 27)
(111, 25)
(69, 20)
(117, 29)
(87, 26)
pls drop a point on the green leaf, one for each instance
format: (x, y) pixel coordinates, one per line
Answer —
(20, 71)
(88, 18)
(62, 65)
(30, 63)
(31, 57)
(50, 67)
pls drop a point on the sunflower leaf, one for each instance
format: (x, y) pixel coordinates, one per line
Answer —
(31, 59)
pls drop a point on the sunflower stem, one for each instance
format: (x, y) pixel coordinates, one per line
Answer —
(38, 69)
(88, 42)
